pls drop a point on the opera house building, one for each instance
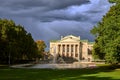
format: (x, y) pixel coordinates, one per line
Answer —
(72, 46)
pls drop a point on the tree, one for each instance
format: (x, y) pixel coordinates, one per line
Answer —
(41, 47)
(114, 1)
(15, 42)
(107, 32)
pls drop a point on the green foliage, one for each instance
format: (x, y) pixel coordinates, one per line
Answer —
(41, 47)
(16, 42)
(107, 32)
(114, 1)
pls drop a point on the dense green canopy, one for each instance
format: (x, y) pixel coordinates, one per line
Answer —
(15, 42)
(114, 1)
(107, 32)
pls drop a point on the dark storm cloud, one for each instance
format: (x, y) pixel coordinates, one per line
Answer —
(50, 10)
(49, 19)
(62, 15)
(48, 4)
(43, 10)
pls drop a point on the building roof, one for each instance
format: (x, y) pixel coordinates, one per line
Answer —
(84, 40)
(77, 38)
(54, 40)
(91, 42)
(71, 36)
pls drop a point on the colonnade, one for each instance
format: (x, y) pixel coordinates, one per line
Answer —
(68, 50)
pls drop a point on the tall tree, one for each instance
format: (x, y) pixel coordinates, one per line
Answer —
(107, 32)
(15, 42)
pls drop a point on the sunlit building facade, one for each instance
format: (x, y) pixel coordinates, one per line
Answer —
(72, 46)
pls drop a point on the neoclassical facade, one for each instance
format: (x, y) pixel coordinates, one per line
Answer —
(72, 46)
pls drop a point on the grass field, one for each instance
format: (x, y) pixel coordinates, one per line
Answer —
(101, 73)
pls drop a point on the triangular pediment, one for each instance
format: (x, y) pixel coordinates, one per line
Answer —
(70, 38)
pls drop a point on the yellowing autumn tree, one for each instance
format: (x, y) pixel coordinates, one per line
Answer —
(41, 47)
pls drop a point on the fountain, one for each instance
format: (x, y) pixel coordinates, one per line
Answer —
(54, 56)
(59, 63)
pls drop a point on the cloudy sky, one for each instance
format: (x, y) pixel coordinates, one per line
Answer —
(49, 19)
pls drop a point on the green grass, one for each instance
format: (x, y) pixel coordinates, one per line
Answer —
(104, 72)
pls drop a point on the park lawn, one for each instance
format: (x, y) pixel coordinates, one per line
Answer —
(101, 73)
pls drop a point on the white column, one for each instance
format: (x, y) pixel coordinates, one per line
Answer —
(87, 51)
(70, 50)
(53, 50)
(78, 52)
(65, 49)
(56, 50)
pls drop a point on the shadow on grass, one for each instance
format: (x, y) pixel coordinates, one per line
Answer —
(4, 66)
(63, 74)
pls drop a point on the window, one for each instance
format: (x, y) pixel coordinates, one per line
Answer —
(63, 48)
(89, 52)
(71, 55)
(67, 48)
(76, 55)
(63, 54)
(59, 46)
(67, 55)
(71, 48)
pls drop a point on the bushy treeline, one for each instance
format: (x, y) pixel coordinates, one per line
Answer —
(15, 43)
(107, 32)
